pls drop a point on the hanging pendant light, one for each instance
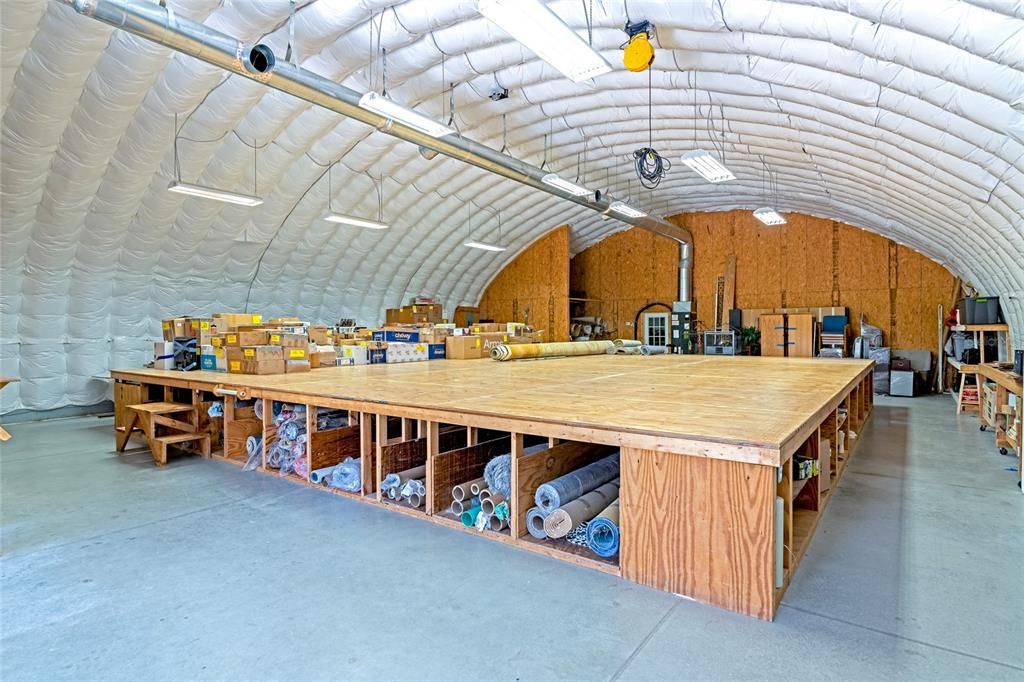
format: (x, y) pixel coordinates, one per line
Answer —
(342, 219)
(204, 192)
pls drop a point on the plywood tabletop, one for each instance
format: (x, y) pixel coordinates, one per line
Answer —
(752, 401)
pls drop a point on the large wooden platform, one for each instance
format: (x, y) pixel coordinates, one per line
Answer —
(705, 446)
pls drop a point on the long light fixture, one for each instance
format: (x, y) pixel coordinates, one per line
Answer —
(769, 216)
(707, 166)
(385, 106)
(626, 210)
(484, 246)
(547, 36)
(215, 194)
(358, 222)
(477, 244)
(342, 219)
(564, 185)
(179, 187)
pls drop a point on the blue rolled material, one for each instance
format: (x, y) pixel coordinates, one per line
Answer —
(603, 537)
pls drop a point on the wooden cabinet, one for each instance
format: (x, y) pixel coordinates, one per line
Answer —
(773, 334)
(800, 335)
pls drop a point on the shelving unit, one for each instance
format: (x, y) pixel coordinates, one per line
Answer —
(682, 476)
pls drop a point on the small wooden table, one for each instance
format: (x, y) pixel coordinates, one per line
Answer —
(1006, 383)
(150, 416)
(965, 371)
(4, 435)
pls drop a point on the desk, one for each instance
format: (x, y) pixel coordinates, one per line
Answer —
(979, 331)
(1006, 383)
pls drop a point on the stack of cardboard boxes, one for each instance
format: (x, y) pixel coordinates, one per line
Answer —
(243, 343)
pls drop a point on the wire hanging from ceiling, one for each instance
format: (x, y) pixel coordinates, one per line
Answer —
(650, 166)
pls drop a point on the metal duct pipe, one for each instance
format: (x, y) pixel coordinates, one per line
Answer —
(160, 25)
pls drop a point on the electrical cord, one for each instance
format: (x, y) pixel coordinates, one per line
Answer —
(650, 167)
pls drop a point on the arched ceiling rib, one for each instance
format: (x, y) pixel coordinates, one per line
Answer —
(894, 117)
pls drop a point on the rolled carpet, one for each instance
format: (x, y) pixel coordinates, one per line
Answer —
(570, 515)
(627, 343)
(563, 489)
(603, 532)
(653, 350)
(535, 522)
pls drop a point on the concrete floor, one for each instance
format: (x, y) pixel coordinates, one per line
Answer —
(113, 569)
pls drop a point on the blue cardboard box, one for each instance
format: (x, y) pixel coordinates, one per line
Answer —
(378, 357)
(397, 335)
(208, 362)
(435, 351)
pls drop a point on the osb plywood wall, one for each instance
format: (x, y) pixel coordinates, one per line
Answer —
(622, 274)
(807, 262)
(534, 287)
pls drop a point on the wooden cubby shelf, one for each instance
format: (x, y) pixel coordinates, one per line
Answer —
(693, 491)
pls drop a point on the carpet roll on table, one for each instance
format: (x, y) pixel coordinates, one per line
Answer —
(653, 350)
(519, 351)
(627, 343)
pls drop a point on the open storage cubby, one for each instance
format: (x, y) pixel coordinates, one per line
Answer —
(543, 463)
(398, 453)
(240, 422)
(457, 463)
(332, 437)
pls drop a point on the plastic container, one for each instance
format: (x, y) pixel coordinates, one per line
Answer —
(979, 310)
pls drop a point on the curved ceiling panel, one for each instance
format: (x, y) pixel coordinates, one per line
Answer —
(896, 117)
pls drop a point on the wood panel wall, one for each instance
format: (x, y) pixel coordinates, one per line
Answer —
(807, 262)
(534, 287)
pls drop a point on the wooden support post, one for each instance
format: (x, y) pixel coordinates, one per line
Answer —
(421, 428)
(407, 429)
(552, 442)
(310, 430)
(433, 447)
(366, 455)
(382, 439)
(516, 515)
(269, 430)
(471, 435)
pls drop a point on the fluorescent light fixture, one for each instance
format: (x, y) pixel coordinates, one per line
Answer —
(769, 216)
(358, 222)
(707, 166)
(626, 210)
(379, 104)
(564, 185)
(215, 194)
(483, 246)
(547, 36)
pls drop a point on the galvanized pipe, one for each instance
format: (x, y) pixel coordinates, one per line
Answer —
(160, 25)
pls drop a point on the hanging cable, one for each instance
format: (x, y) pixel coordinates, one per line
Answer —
(650, 165)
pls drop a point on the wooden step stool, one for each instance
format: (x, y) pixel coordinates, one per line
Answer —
(152, 418)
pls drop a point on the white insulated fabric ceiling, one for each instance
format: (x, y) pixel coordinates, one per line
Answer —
(904, 118)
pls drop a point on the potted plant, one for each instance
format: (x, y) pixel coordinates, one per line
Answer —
(750, 341)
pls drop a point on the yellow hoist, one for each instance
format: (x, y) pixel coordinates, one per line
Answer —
(637, 52)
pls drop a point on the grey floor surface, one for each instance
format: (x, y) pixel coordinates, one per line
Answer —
(115, 570)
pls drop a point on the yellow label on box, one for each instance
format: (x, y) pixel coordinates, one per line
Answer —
(362, 343)
(167, 325)
(249, 352)
(420, 348)
(232, 338)
(414, 308)
(256, 319)
(216, 343)
(478, 342)
(204, 325)
(347, 351)
(219, 352)
(275, 339)
(329, 332)
(236, 365)
(505, 337)
(296, 353)
(476, 330)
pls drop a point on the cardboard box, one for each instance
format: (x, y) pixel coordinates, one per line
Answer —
(355, 355)
(489, 328)
(295, 353)
(377, 356)
(218, 340)
(286, 340)
(464, 348)
(399, 335)
(286, 321)
(261, 353)
(323, 358)
(407, 352)
(239, 339)
(174, 327)
(239, 363)
(293, 366)
(321, 334)
(194, 326)
(163, 354)
(434, 334)
(226, 322)
(435, 351)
